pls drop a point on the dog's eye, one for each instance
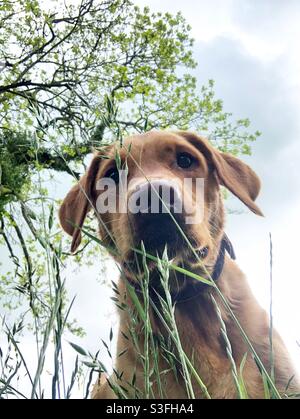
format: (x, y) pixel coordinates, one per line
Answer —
(184, 160)
(113, 173)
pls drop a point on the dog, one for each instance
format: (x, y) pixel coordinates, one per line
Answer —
(152, 160)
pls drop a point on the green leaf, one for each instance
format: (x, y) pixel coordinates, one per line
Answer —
(136, 302)
(242, 386)
(50, 221)
(78, 349)
(266, 386)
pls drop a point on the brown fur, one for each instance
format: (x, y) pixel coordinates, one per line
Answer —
(151, 156)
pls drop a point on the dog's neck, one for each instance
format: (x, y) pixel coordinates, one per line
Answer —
(194, 288)
(183, 287)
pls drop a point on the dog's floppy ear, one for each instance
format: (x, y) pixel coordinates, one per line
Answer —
(78, 203)
(239, 178)
(232, 173)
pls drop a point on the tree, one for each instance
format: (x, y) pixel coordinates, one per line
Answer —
(104, 64)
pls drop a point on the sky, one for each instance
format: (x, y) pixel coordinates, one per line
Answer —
(250, 48)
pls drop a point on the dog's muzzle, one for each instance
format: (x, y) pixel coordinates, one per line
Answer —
(156, 209)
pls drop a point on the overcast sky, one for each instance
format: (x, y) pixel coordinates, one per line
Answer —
(251, 49)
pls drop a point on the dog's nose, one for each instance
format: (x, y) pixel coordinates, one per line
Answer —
(155, 197)
(153, 208)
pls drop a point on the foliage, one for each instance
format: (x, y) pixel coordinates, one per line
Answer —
(105, 64)
(12, 182)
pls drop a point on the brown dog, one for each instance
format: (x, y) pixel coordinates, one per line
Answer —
(157, 159)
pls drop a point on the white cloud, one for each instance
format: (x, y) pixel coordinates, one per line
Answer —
(265, 29)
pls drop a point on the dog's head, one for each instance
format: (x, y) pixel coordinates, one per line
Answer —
(167, 193)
